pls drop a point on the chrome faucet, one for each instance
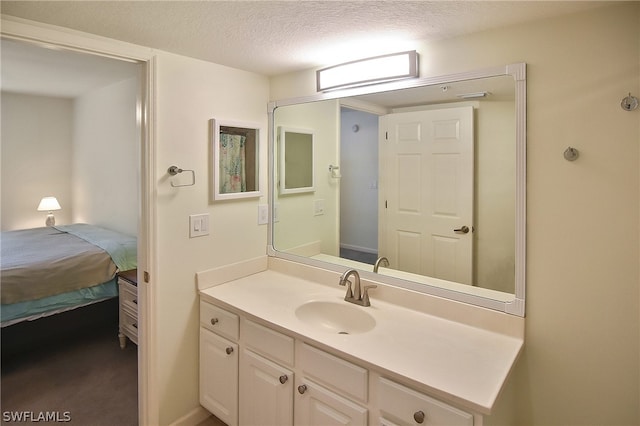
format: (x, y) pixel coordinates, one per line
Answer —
(355, 295)
(381, 261)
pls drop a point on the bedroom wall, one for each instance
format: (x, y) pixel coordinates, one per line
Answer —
(581, 360)
(36, 158)
(106, 156)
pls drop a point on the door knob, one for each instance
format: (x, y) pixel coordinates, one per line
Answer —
(302, 388)
(283, 379)
(463, 230)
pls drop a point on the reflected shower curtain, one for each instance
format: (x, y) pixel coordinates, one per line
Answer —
(232, 163)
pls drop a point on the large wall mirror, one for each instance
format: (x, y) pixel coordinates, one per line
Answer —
(419, 185)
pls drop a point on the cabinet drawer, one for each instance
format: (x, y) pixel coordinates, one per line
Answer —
(219, 320)
(404, 406)
(128, 295)
(335, 372)
(129, 325)
(274, 345)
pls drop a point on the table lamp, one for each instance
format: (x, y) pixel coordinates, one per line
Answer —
(49, 204)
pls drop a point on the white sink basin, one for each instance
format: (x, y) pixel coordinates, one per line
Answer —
(334, 317)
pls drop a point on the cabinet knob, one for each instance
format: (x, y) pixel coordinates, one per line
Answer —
(229, 350)
(214, 321)
(418, 416)
(283, 379)
(302, 388)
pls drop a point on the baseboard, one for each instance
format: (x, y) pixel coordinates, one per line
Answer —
(192, 418)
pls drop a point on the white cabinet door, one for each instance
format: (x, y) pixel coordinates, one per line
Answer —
(266, 391)
(318, 406)
(219, 376)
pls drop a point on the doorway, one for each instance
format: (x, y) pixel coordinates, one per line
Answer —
(127, 209)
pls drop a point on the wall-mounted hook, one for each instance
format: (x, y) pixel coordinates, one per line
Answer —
(629, 103)
(571, 154)
(174, 170)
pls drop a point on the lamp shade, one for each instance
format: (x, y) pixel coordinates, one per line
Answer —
(48, 204)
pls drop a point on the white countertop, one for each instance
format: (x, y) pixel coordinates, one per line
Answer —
(463, 364)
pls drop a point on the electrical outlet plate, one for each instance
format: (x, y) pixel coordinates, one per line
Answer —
(198, 225)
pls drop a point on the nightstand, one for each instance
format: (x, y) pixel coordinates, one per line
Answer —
(128, 289)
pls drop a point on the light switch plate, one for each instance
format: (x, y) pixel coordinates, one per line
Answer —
(198, 225)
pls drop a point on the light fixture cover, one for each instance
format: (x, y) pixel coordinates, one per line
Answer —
(379, 69)
(48, 204)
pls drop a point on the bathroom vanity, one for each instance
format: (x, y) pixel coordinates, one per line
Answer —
(280, 345)
(281, 341)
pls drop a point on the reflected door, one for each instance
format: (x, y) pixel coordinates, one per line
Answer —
(426, 169)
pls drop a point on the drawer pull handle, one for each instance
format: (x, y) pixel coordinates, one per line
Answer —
(214, 321)
(418, 416)
(229, 350)
(135, 301)
(135, 325)
(283, 379)
(302, 389)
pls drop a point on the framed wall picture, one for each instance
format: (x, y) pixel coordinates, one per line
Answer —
(235, 159)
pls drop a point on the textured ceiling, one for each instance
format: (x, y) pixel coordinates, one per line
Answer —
(276, 37)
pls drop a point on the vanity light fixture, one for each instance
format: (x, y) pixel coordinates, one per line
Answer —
(49, 204)
(379, 69)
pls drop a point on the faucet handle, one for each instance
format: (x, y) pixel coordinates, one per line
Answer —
(365, 294)
(349, 294)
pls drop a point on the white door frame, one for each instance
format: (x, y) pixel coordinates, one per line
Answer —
(35, 32)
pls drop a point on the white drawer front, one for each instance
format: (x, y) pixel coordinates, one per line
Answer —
(403, 406)
(219, 320)
(129, 325)
(128, 295)
(335, 372)
(274, 345)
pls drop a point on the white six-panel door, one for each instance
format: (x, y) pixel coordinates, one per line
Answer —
(426, 192)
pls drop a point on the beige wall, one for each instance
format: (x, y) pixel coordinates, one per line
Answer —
(581, 360)
(36, 158)
(106, 146)
(189, 94)
(297, 224)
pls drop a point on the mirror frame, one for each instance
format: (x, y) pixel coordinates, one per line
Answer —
(282, 169)
(517, 71)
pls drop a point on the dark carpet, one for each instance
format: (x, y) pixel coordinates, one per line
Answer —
(69, 368)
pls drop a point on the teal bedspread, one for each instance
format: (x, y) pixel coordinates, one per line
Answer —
(122, 248)
(48, 270)
(34, 309)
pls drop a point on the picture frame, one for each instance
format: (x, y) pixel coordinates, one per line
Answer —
(235, 155)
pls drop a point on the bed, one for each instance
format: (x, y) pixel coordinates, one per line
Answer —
(49, 270)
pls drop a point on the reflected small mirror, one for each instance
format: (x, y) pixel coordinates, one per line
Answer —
(296, 160)
(235, 160)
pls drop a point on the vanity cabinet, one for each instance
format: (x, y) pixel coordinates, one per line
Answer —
(219, 362)
(251, 374)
